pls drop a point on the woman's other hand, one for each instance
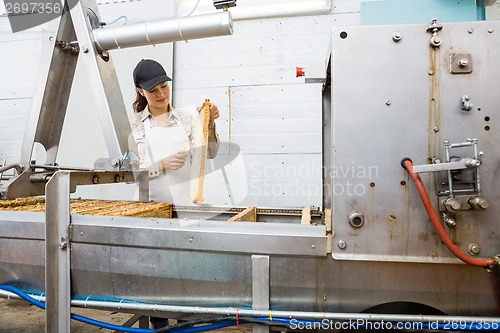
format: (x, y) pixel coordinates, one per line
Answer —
(174, 161)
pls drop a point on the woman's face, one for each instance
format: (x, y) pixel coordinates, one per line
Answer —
(158, 97)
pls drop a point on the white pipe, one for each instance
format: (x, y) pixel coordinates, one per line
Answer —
(164, 31)
(296, 8)
(299, 315)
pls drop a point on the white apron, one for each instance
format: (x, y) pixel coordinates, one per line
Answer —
(172, 187)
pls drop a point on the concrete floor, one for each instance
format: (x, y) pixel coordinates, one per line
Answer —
(18, 316)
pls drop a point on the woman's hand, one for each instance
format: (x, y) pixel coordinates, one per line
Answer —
(214, 114)
(174, 161)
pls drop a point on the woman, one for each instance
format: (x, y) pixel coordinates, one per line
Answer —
(164, 135)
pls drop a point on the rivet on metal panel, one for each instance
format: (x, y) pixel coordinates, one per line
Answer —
(431, 72)
(388, 102)
(342, 244)
(313, 246)
(85, 50)
(397, 36)
(191, 240)
(51, 38)
(474, 249)
(490, 30)
(436, 129)
(96, 179)
(470, 30)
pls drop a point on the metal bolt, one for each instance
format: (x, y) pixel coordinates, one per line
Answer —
(96, 179)
(51, 38)
(464, 62)
(63, 243)
(449, 220)
(85, 50)
(81, 233)
(342, 244)
(474, 249)
(490, 30)
(313, 246)
(472, 163)
(387, 102)
(431, 72)
(114, 162)
(478, 203)
(397, 36)
(191, 240)
(452, 204)
(470, 30)
(356, 219)
(436, 41)
(134, 164)
(436, 129)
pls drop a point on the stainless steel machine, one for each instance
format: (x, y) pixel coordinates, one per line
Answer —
(418, 96)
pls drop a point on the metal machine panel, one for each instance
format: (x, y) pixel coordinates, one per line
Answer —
(277, 239)
(400, 96)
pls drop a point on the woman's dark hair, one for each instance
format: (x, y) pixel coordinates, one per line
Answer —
(140, 103)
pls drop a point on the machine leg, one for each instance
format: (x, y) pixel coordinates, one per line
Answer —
(144, 322)
(57, 254)
(260, 288)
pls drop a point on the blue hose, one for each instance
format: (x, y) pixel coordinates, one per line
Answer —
(463, 326)
(116, 20)
(113, 327)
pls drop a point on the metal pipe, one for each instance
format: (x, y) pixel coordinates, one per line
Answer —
(18, 166)
(269, 10)
(158, 308)
(164, 31)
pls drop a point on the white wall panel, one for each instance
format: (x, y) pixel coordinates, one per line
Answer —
(13, 118)
(275, 118)
(19, 60)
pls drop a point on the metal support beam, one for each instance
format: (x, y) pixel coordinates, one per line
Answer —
(53, 85)
(57, 255)
(260, 288)
(143, 322)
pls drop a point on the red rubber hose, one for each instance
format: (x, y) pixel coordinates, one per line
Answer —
(481, 262)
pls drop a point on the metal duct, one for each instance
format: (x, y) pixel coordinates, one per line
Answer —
(164, 31)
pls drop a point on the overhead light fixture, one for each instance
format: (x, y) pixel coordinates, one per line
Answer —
(224, 4)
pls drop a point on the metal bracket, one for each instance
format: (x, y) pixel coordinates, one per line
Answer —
(434, 28)
(260, 288)
(57, 254)
(460, 63)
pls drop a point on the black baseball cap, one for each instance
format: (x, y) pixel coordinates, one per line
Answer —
(149, 73)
